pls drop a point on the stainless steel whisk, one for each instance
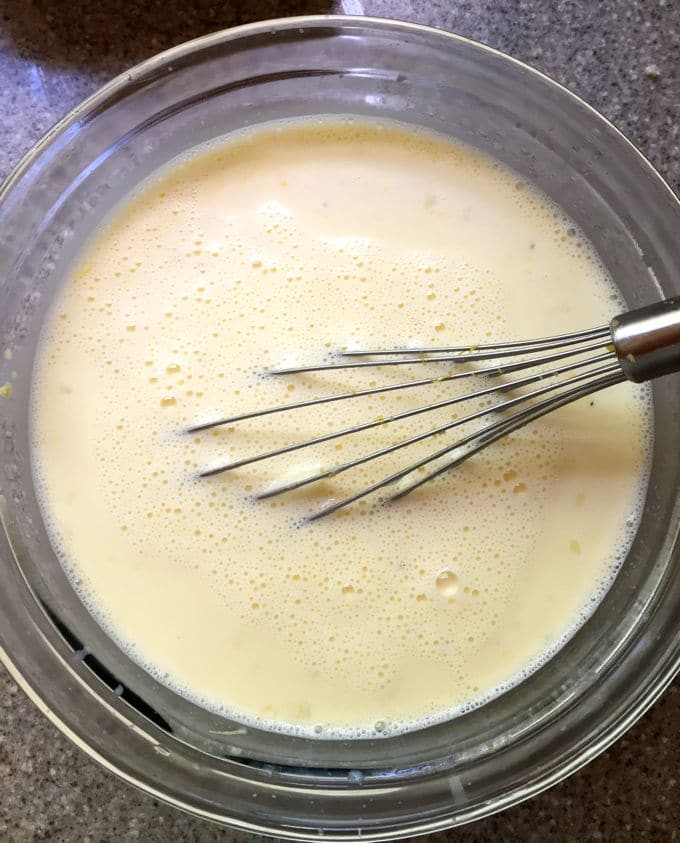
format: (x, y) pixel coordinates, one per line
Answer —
(638, 346)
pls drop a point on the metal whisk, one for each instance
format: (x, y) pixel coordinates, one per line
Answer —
(638, 346)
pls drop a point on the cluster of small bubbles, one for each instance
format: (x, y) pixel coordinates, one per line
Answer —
(178, 330)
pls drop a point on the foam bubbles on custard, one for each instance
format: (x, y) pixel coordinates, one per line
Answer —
(268, 252)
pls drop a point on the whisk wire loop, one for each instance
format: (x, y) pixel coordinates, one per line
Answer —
(638, 345)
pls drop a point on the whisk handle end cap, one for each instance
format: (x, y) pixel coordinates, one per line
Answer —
(647, 340)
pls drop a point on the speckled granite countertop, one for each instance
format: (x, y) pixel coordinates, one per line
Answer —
(623, 56)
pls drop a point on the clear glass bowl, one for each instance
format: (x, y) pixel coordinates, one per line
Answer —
(517, 745)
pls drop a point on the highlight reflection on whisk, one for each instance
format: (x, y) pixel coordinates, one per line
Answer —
(639, 345)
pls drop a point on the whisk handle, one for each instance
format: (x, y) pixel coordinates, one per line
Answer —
(647, 340)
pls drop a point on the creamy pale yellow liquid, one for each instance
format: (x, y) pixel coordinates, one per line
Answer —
(277, 248)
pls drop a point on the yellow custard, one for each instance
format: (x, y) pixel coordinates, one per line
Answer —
(275, 248)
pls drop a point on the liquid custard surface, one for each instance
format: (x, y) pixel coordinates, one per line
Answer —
(276, 248)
